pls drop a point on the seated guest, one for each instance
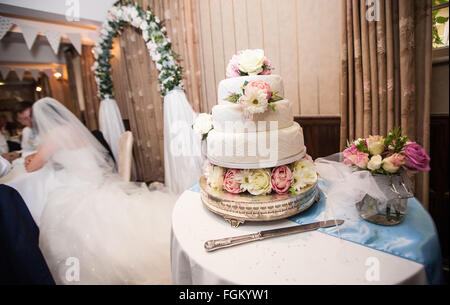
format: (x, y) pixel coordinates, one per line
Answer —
(22, 115)
(21, 260)
(3, 145)
(29, 144)
(5, 166)
(6, 128)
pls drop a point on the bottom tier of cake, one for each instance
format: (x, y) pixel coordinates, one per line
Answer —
(246, 150)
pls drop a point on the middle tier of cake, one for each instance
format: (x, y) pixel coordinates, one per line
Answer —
(256, 149)
(230, 118)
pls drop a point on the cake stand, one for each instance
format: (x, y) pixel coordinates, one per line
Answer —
(239, 208)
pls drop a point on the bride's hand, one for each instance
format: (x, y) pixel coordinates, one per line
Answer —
(27, 162)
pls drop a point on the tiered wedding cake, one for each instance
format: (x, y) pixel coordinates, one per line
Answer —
(253, 143)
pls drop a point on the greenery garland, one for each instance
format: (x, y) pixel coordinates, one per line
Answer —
(158, 45)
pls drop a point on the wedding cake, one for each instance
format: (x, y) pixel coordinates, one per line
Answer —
(253, 142)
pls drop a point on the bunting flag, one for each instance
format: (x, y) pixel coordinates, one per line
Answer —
(49, 73)
(35, 73)
(5, 25)
(75, 38)
(4, 71)
(29, 34)
(54, 38)
(20, 72)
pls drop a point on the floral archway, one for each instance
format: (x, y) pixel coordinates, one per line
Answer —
(154, 35)
(178, 113)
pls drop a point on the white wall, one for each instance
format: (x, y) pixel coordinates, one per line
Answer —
(300, 37)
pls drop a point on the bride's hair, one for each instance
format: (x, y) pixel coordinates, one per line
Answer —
(58, 127)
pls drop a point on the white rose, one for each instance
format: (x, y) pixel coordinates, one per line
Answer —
(98, 50)
(375, 163)
(144, 25)
(95, 66)
(104, 32)
(259, 182)
(133, 12)
(254, 100)
(251, 61)
(145, 35)
(203, 123)
(304, 174)
(136, 22)
(356, 142)
(215, 177)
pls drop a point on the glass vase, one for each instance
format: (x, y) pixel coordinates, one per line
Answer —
(392, 210)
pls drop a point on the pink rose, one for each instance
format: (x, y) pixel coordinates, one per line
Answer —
(262, 85)
(350, 151)
(359, 159)
(415, 157)
(392, 163)
(281, 179)
(230, 181)
(233, 67)
(267, 68)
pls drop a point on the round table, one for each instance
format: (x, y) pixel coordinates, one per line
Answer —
(304, 258)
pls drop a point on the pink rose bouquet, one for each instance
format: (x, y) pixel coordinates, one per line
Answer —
(387, 155)
(281, 179)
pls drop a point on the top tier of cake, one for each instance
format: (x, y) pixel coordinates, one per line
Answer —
(227, 112)
(234, 85)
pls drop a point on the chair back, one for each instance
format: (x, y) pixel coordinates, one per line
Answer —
(125, 155)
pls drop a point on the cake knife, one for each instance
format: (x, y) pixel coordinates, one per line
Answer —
(212, 245)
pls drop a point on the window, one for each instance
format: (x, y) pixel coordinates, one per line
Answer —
(440, 23)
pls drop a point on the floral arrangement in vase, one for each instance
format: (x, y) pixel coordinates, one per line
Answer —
(291, 178)
(248, 62)
(387, 155)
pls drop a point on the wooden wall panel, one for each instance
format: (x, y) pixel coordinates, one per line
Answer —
(303, 47)
(321, 134)
(439, 184)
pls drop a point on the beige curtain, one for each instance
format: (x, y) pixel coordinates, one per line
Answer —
(386, 72)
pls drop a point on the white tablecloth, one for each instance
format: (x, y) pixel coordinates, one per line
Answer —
(305, 258)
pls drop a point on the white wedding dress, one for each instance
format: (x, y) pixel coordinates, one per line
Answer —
(95, 228)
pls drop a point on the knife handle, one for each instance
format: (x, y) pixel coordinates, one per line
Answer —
(212, 245)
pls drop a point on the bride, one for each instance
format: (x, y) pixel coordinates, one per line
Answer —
(94, 228)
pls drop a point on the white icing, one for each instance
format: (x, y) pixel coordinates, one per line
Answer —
(229, 117)
(233, 85)
(241, 150)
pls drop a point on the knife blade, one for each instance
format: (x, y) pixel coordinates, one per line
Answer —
(216, 244)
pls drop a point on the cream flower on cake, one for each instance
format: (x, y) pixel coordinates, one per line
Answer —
(244, 179)
(259, 182)
(251, 61)
(215, 177)
(254, 100)
(203, 123)
(304, 174)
